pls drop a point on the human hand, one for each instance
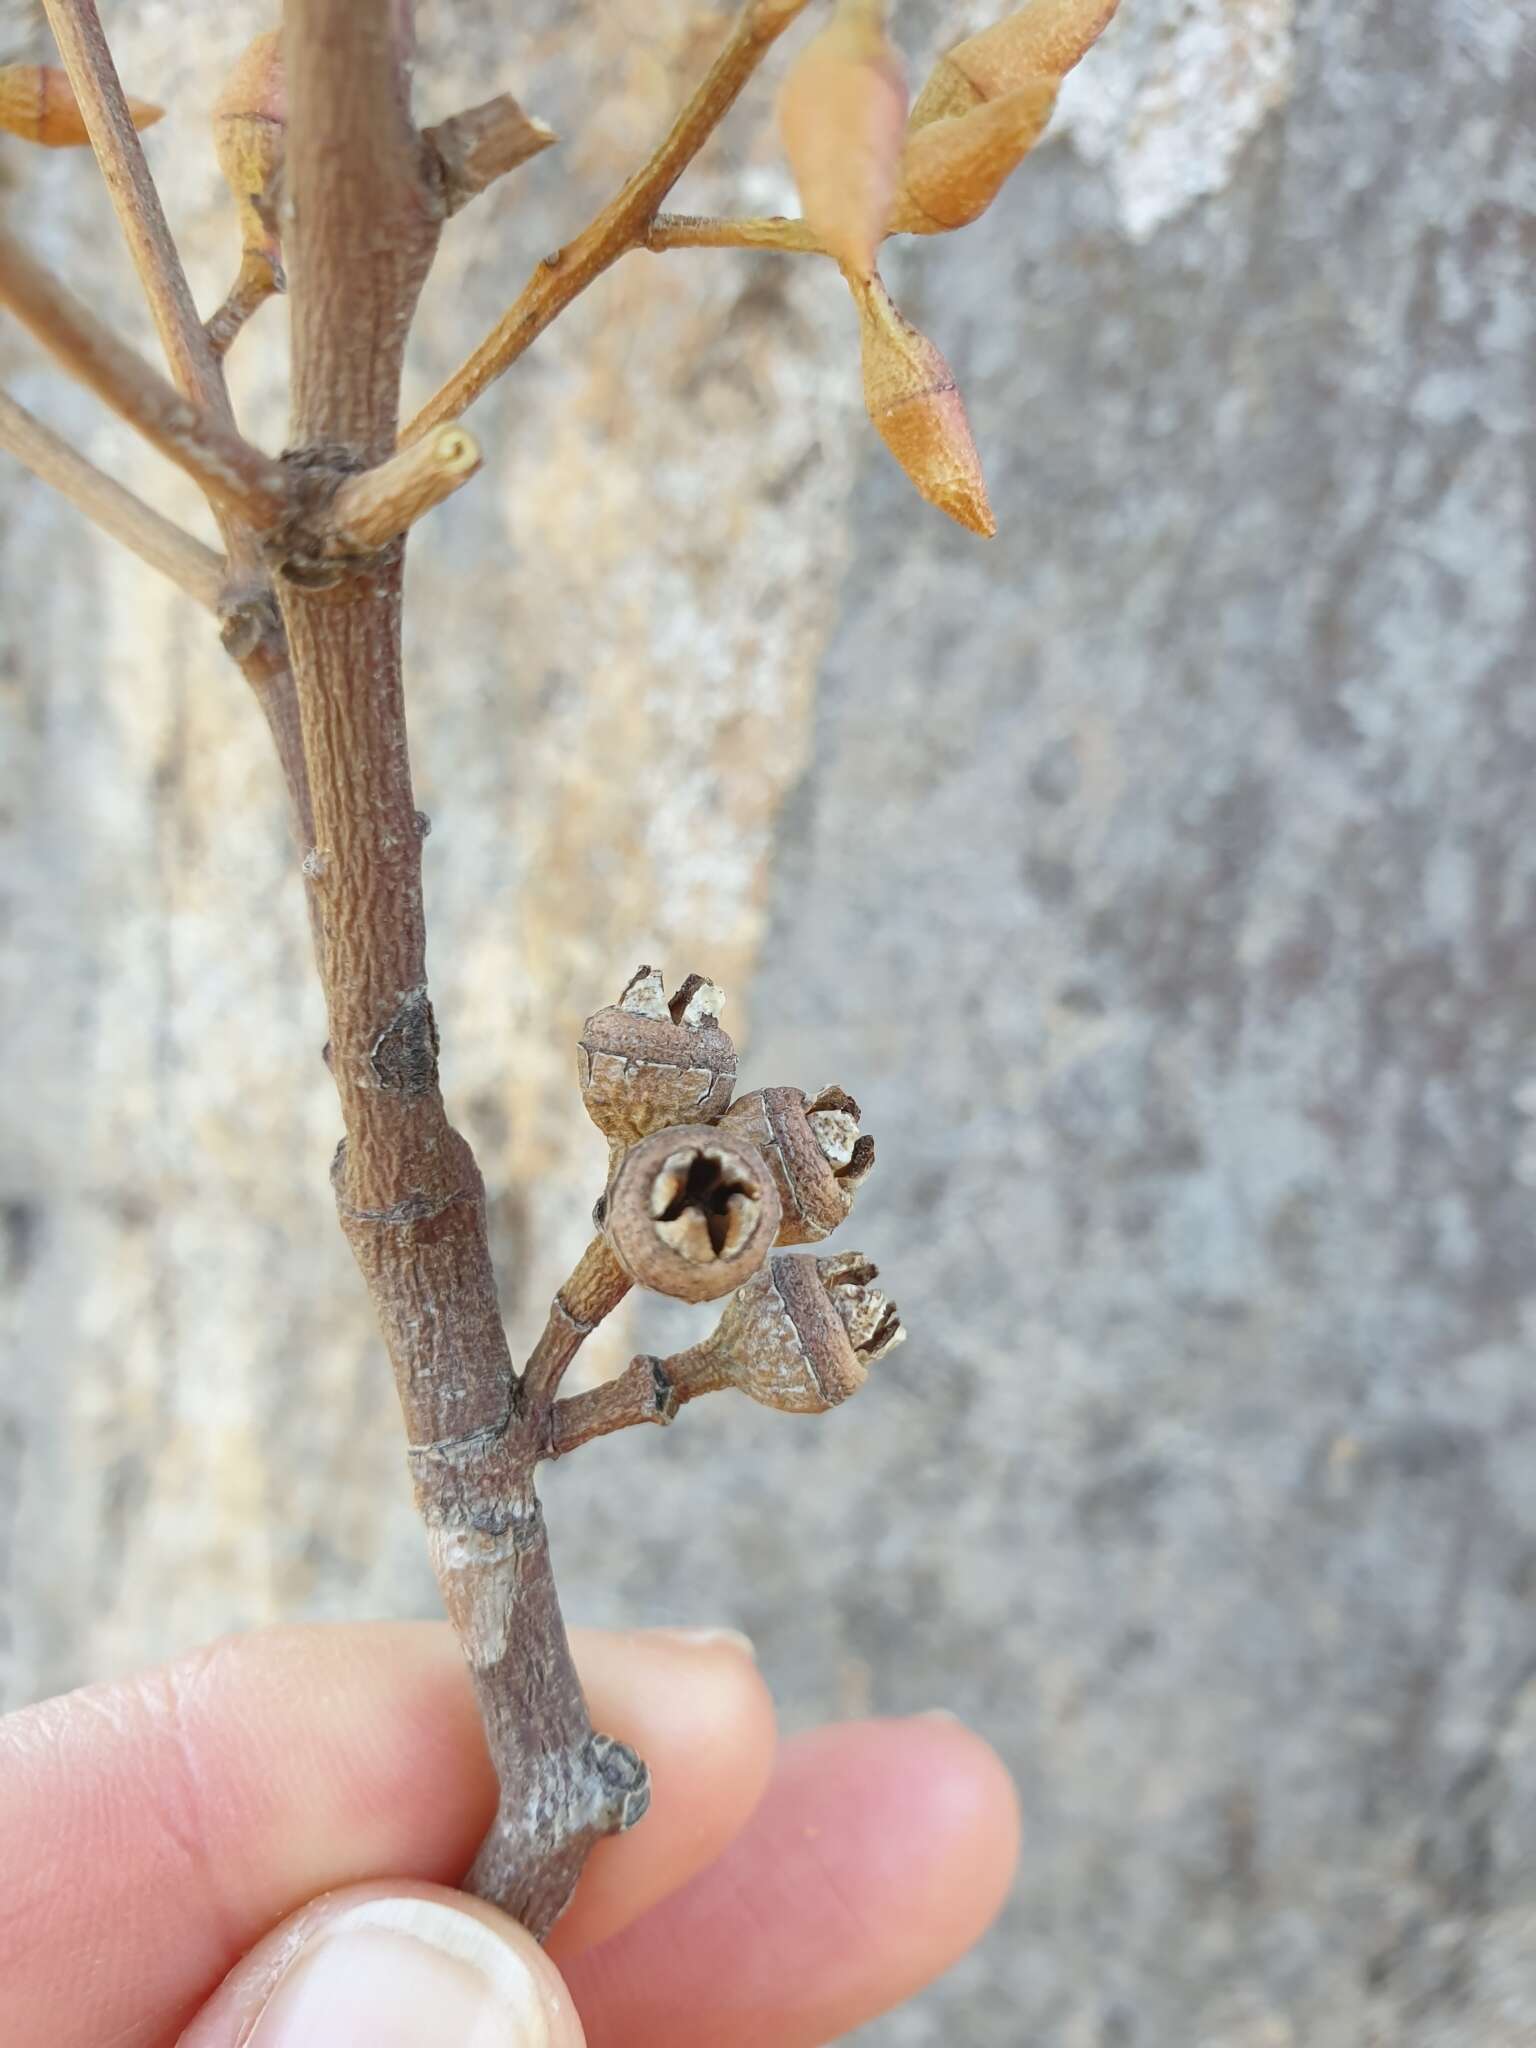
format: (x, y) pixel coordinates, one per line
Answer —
(179, 1829)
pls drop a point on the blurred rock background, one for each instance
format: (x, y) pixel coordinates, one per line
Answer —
(1160, 876)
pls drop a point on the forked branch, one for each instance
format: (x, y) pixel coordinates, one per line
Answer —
(252, 631)
(227, 468)
(622, 224)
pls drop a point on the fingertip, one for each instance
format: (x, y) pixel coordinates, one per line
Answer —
(391, 1966)
(970, 1807)
(882, 1852)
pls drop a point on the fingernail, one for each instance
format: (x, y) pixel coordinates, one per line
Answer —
(940, 1714)
(708, 1639)
(397, 1972)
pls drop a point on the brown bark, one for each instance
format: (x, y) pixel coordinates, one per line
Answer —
(366, 220)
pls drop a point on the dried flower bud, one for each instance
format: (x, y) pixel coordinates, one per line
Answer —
(250, 127)
(953, 169)
(814, 1151)
(842, 115)
(691, 1213)
(910, 394)
(646, 1062)
(37, 102)
(800, 1335)
(1043, 40)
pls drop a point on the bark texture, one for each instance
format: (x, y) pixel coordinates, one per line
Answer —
(1164, 865)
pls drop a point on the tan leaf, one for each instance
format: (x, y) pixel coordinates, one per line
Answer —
(842, 116)
(953, 169)
(37, 102)
(1042, 40)
(909, 391)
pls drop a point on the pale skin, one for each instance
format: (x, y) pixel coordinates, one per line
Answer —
(166, 1835)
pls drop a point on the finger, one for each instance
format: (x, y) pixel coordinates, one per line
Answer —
(694, 1704)
(391, 1966)
(160, 1827)
(881, 1853)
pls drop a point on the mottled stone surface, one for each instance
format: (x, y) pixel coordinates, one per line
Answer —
(1160, 878)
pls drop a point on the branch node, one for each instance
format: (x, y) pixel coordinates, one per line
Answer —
(246, 618)
(621, 1784)
(664, 1393)
(404, 1055)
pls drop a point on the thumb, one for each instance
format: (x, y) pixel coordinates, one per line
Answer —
(391, 1966)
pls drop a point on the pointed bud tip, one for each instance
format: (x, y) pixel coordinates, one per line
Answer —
(953, 168)
(912, 400)
(38, 104)
(969, 508)
(1043, 39)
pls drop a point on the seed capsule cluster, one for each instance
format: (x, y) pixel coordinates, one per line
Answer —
(702, 1189)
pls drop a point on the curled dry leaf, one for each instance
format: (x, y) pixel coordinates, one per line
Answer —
(1042, 40)
(910, 394)
(250, 120)
(842, 116)
(37, 102)
(953, 169)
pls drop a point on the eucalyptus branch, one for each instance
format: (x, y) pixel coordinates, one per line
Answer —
(315, 137)
(99, 93)
(621, 225)
(154, 539)
(366, 215)
(228, 469)
(252, 629)
(700, 231)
